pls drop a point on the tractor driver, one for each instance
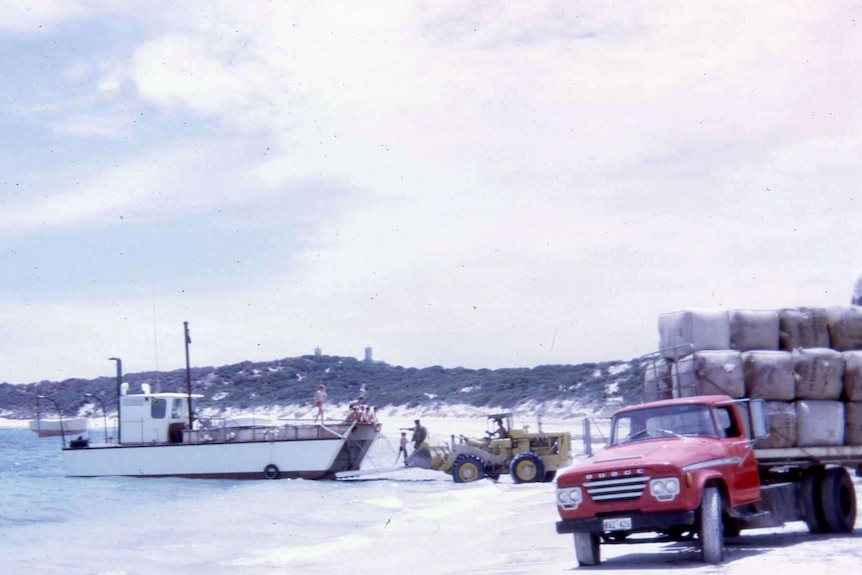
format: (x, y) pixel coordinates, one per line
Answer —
(501, 432)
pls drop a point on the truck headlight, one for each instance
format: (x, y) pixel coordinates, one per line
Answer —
(665, 488)
(570, 497)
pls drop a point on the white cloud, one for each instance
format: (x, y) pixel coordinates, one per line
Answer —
(504, 173)
(158, 185)
(88, 125)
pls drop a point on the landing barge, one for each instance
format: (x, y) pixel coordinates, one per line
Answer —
(155, 440)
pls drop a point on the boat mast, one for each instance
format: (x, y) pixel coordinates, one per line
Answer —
(119, 393)
(188, 340)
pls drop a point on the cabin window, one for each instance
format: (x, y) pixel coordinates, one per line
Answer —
(158, 408)
(726, 422)
(177, 409)
(623, 427)
(662, 421)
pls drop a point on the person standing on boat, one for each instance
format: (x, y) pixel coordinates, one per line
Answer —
(319, 400)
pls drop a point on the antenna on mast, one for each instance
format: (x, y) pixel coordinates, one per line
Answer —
(188, 340)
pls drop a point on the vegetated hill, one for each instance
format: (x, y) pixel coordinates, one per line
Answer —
(292, 381)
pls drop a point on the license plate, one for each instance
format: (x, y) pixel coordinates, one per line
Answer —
(617, 524)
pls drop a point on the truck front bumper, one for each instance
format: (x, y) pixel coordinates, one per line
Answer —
(640, 522)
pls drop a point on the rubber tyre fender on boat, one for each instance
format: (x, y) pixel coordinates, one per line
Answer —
(588, 550)
(711, 532)
(838, 500)
(271, 471)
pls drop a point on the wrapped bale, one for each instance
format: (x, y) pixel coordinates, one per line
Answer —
(853, 423)
(819, 423)
(819, 373)
(753, 329)
(769, 375)
(782, 425)
(709, 373)
(658, 383)
(803, 327)
(853, 375)
(686, 331)
(845, 327)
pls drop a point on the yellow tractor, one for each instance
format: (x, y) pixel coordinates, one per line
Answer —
(527, 457)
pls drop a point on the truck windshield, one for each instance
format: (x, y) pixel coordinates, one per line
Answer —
(666, 421)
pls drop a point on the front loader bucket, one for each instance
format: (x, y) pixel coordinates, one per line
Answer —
(420, 458)
(429, 457)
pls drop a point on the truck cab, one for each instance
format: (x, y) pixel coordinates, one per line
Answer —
(676, 468)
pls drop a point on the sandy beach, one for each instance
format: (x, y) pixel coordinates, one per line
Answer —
(14, 423)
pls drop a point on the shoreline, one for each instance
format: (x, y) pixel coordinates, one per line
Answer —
(559, 415)
(6, 423)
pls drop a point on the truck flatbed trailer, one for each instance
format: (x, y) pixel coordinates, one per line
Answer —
(844, 455)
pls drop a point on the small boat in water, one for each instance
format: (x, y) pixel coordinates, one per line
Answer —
(54, 427)
(156, 440)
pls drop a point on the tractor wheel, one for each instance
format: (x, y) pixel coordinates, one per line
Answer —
(468, 468)
(549, 476)
(527, 468)
(588, 550)
(711, 532)
(838, 500)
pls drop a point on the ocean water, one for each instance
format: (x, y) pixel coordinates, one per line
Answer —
(400, 521)
(411, 522)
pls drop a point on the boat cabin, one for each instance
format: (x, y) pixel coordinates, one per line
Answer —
(153, 417)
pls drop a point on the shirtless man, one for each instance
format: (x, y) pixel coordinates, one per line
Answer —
(403, 448)
(501, 432)
(319, 400)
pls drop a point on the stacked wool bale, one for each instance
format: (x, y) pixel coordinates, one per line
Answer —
(806, 363)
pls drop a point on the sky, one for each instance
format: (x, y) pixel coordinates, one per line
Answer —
(476, 184)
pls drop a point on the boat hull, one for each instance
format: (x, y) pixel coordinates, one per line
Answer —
(309, 458)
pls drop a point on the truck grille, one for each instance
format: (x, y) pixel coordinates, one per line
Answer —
(617, 489)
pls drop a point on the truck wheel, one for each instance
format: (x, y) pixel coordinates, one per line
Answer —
(468, 468)
(809, 495)
(587, 549)
(527, 468)
(711, 532)
(838, 500)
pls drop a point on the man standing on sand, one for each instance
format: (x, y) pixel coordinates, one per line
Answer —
(419, 434)
(319, 400)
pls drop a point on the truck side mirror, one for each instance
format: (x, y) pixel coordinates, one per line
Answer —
(759, 421)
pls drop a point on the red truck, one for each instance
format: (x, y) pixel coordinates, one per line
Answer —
(687, 469)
